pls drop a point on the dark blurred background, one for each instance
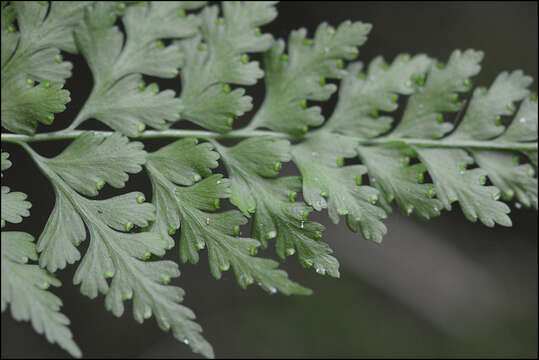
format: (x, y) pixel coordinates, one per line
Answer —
(443, 288)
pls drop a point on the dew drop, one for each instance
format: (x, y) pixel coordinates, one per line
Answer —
(522, 120)
(186, 341)
(302, 224)
(321, 270)
(165, 280)
(290, 251)
(314, 154)
(421, 106)
(272, 290)
(518, 205)
(461, 172)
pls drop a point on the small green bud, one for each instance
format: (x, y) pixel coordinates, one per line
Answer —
(420, 178)
(463, 165)
(420, 79)
(45, 285)
(498, 121)
(483, 90)
(405, 161)
(145, 256)
(181, 13)
(127, 296)
(155, 88)
(46, 84)
(409, 209)
(340, 161)
(533, 96)
(452, 199)
(284, 57)
(172, 230)
(440, 118)
(175, 72)
(140, 199)
(128, 226)
(317, 235)
(431, 192)
(258, 32)
(305, 215)
(404, 58)
(516, 160)
(303, 104)
(108, 274)
(374, 113)
(141, 127)
(330, 30)
(322, 81)
(508, 195)
(229, 121)
(251, 209)
(226, 88)
(290, 251)
(408, 83)
(201, 47)
(147, 314)
(361, 75)
(496, 195)
(216, 204)
(342, 211)
(340, 64)
(307, 42)
(440, 65)
(383, 65)
(141, 85)
(324, 193)
(200, 244)
(467, 83)
(224, 267)
(253, 250)
(244, 59)
(390, 198)
(159, 44)
(531, 172)
(219, 21)
(99, 185)
(30, 82)
(510, 107)
(482, 180)
(304, 129)
(359, 179)
(50, 118)
(454, 98)
(236, 230)
(271, 234)
(373, 199)
(292, 196)
(394, 98)
(165, 280)
(197, 178)
(277, 166)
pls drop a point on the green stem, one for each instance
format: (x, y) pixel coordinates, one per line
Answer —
(244, 133)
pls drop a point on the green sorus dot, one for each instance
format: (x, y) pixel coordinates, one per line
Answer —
(251, 209)
(11, 28)
(253, 250)
(303, 104)
(30, 81)
(141, 85)
(236, 230)
(201, 47)
(467, 83)
(307, 263)
(383, 65)
(197, 178)
(200, 244)
(307, 42)
(219, 21)
(390, 198)
(147, 314)
(165, 280)
(496, 195)
(452, 199)
(440, 118)
(409, 209)
(304, 215)
(128, 226)
(284, 57)
(508, 195)
(394, 98)
(224, 267)
(359, 180)
(373, 199)
(175, 72)
(318, 235)
(463, 165)
(361, 75)
(322, 81)
(406, 161)
(216, 204)
(141, 127)
(431, 192)
(482, 180)
(50, 118)
(208, 221)
(277, 166)
(226, 88)
(483, 90)
(531, 172)
(420, 79)
(24, 259)
(229, 122)
(181, 13)
(145, 256)
(159, 44)
(304, 129)
(497, 121)
(374, 113)
(127, 296)
(404, 58)
(99, 185)
(271, 234)
(140, 199)
(420, 178)
(533, 96)
(454, 98)
(45, 285)
(3, 223)
(172, 230)
(510, 107)
(108, 274)
(408, 83)
(46, 84)
(330, 30)
(324, 193)
(257, 32)
(340, 161)
(339, 64)
(244, 59)
(249, 280)
(290, 251)
(292, 196)
(155, 88)
(342, 211)
(440, 65)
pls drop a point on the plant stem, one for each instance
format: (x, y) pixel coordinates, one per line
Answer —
(243, 133)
